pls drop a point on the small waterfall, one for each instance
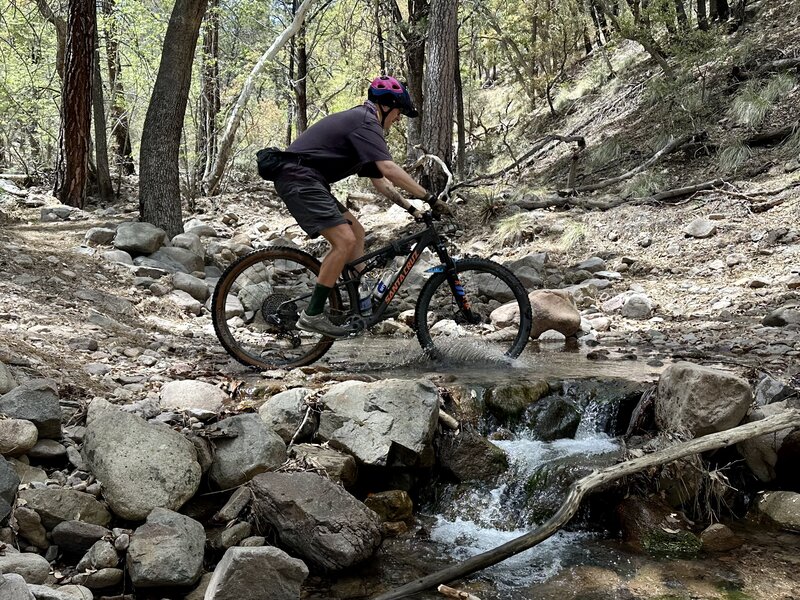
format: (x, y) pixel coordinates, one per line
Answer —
(471, 521)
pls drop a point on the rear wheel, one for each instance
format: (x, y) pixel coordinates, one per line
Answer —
(501, 323)
(256, 305)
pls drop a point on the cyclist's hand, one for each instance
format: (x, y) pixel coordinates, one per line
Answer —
(416, 213)
(440, 208)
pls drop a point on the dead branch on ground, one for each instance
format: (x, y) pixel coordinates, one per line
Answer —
(788, 419)
(453, 593)
(776, 136)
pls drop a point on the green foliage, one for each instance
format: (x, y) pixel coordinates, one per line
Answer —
(682, 544)
(644, 185)
(754, 100)
(516, 229)
(490, 204)
(609, 150)
(731, 158)
(573, 235)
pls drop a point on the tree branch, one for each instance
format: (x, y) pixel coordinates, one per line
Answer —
(784, 420)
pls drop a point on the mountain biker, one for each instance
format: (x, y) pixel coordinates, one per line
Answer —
(347, 143)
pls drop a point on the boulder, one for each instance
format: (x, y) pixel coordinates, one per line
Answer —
(102, 555)
(76, 537)
(254, 449)
(194, 286)
(35, 401)
(191, 394)
(469, 456)
(103, 578)
(509, 400)
(700, 228)
(781, 317)
(166, 551)
(284, 413)
(637, 306)
(7, 380)
(29, 526)
(391, 505)
(554, 418)
(339, 467)
(186, 303)
(316, 518)
(139, 238)
(189, 241)
(55, 506)
(651, 526)
(140, 465)
(554, 309)
(13, 587)
(761, 453)
(63, 592)
(31, 567)
(9, 481)
(256, 574)
(100, 236)
(719, 538)
(783, 508)
(382, 423)
(180, 259)
(700, 400)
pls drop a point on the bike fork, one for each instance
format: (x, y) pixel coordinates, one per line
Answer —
(460, 295)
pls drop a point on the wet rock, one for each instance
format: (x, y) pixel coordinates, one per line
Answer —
(36, 401)
(284, 413)
(700, 228)
(195, 287)
(191, 394)
(339, 467)
(98, 580)
(166, 551)
(391, 505)
(47, 450)
(55, 506)
(255, 449)
(30, 527)
(650, 526)
(13, 587)
(786, 315)
(139, 238)
(255, 574)
(783, 508)
(141, 465)
(700, 400)
(469, 456)
(31, 567)
(554, 309)
(316, 518)
(77, 537)
(17, 436)
(386, 422)
(719, 538)
(102, 555)
(761, 453)
(7, 380)
(510, 400)
(553, 418)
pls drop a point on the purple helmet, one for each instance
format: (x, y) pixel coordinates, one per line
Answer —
(390, 92)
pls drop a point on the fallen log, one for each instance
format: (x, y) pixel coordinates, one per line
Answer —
(770, 138)
(788, 419)
(9, 187)
(676, 193)
(452, 593)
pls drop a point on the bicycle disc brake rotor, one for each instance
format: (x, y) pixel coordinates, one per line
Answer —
(278, 309)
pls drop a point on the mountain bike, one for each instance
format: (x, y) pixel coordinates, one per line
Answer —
(469, 300)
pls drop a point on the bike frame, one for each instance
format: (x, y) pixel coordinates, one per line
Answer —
(428, 237)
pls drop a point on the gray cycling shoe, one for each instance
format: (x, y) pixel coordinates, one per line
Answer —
(322, 325)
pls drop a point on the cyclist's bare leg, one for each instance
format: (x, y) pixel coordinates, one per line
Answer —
(358, 231)
(343, 241)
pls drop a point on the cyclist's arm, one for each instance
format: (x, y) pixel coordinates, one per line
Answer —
(397, 175)
(385, 188)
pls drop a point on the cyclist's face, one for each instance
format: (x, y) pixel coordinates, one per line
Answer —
(393, 116)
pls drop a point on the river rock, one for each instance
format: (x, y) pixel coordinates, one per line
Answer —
(141, 465)
(637, 306)
(166, 551)
(255, 449)
(186, 302)
(7, 380)
(700, 400)
(391, 505)
(284, 413)
(316, 518)
(189, 241)
(17, 436)
(102, 555)
(553, 418)
(36, 401)
(651, 526)
(191, 394)
(194, 286)
(223, 538)
(63, 592)
(556, 310)
(56, 505)
(180, 259)
(47, 450)
(786, 315)
(761, 453)
(719, 538)
(700, 228)
(769, 390)
(31, 567)
(139, 238)
(339, 467)
(469, 456)
(235, 505)
(77, 537)
(9, 482)
(13, 587)
(783, 508)
(509, 401)
(100, 236)
(381, 423)
(98, 580)
(256, 574)
(29, 525)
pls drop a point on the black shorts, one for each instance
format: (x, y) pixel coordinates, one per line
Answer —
(309, 199)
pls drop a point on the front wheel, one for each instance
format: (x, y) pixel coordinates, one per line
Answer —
(256, 305)
(500, 321)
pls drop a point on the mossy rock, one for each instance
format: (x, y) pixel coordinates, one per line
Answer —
(509, 401)
(663, 544)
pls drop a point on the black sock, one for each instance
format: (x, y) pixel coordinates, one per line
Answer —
(317, 303)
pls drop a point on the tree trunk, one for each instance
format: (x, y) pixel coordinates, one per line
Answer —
(379, 35)
(72, 169)
(301, 80)
(723, 10)
(460, 127)
(104, 187)
(120, 127)
(61, 33)
(209, 93)
(683, 20)
(437, 114)
(159, 184)
(702, 17)
(211, 183)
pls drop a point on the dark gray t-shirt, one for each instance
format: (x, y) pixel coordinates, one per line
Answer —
(344, 144)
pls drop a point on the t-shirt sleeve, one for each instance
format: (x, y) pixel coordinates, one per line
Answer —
(370, 170)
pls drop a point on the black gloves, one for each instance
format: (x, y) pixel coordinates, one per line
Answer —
(416, 213)
(438, 207)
